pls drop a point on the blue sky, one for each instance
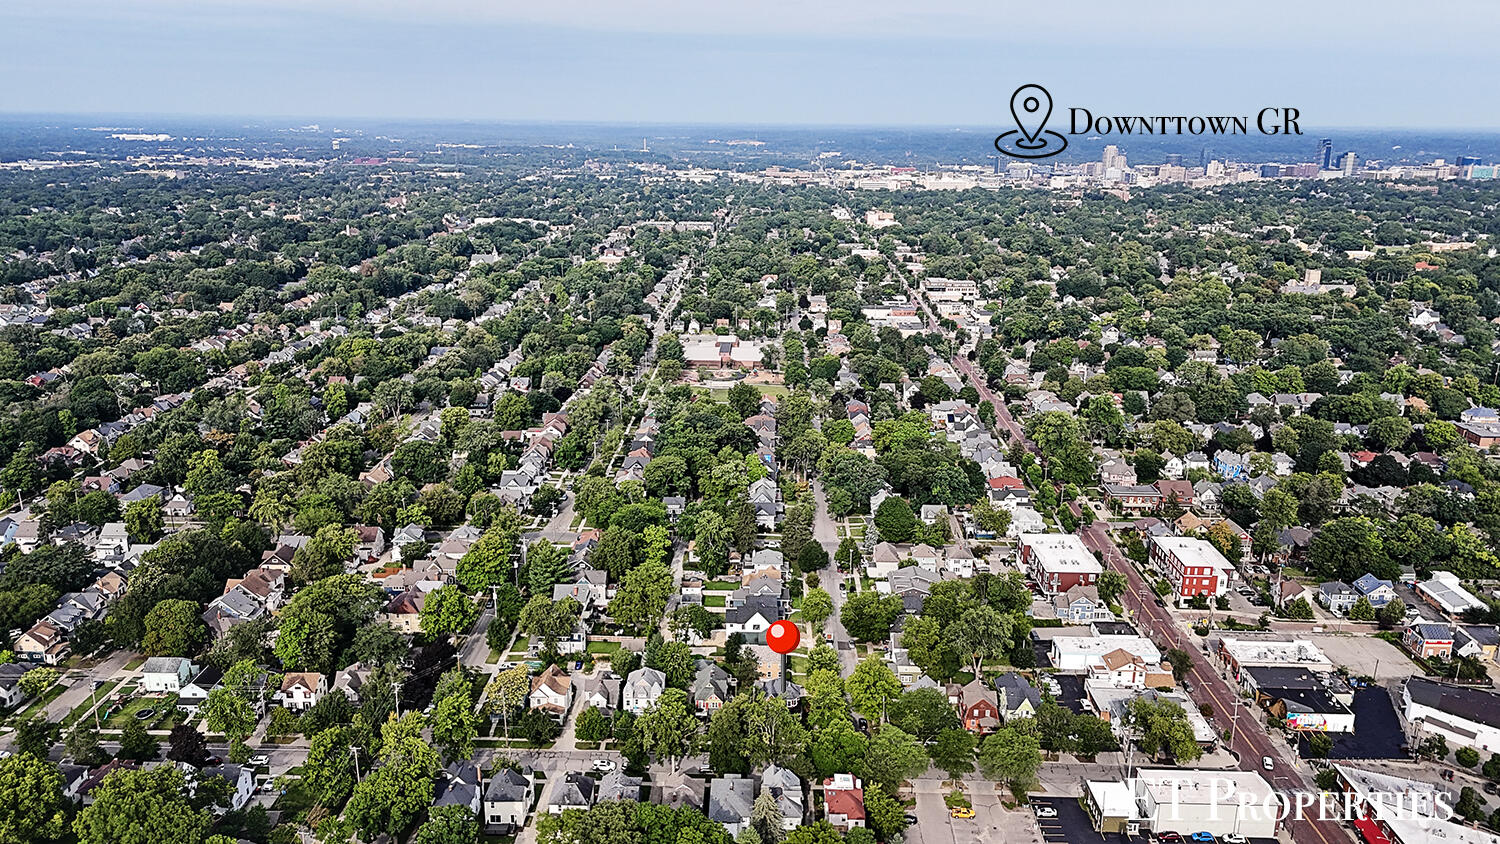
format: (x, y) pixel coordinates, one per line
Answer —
(938, 62)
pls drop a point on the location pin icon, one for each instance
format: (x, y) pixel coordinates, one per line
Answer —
(1031, 105)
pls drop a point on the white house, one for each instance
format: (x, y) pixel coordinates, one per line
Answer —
(166, 674)
(300, 690)
(642, 688)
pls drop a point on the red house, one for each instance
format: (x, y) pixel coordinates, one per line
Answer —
(978, 707)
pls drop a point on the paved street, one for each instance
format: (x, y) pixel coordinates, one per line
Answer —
(826, 533)
(1248, 738)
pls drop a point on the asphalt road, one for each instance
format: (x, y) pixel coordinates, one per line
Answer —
(826, 533)
(1250, 744)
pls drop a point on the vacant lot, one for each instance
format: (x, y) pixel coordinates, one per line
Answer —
(1365, 655)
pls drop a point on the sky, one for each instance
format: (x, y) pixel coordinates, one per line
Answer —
(1377, 63)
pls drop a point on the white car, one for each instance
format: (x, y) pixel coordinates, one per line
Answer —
(1046, 812)
(604, 765)
(1268, 763)
(257, 761)
(1232, 838)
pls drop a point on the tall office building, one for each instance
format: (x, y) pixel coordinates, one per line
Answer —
(1347, 162)
(1469, 160)
(1325, 154)
(1113, 158)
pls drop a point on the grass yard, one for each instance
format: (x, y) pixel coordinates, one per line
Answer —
(36, 706)
(713, 600)
(165, 711)
(721, 585)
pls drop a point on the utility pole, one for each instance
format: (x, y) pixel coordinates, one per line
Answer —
(396, 687)
(354, 752)
(94, 697)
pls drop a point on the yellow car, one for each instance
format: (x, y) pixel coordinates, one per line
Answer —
(962, 812)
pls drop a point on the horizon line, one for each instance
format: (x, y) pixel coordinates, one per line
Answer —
(574, 121)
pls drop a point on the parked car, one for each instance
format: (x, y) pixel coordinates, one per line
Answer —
(1169, 838)
(911, 820)
(604, 765)
(1446, 774)
(1268, 763)
(1046, 812)
(961, 812)
(257, 761)
(1233, 838)
(1203, 837)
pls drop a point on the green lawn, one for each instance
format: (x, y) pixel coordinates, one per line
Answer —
(603, 647)
(721, 585)
(713, 600)
(165, 710)
(36, 706)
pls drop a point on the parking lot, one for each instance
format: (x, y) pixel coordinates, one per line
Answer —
(1072, 824)
(990, 822)
(1072, 691)
(1377, 729)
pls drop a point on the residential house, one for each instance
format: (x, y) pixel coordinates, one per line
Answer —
(300, 690)
(166, 674)
(711, 687)
(1425, 639)
(1378, 592)
(1337, 596)
(844, 801)
(730, 801)
(1081, 605)
(551, 692)
(507, 801)
(195, 693)
(1016, 697)
(642, 687)
(43, 642)
(458, 785)
(575, 791)
(616, 785)
(785, 788)
(600, 690)
(978, 707)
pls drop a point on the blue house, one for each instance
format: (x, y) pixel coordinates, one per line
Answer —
(1378, 592)
(1231, 466)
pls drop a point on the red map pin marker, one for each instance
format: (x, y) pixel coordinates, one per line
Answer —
(783, 637)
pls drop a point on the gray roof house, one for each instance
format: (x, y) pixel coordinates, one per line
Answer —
(458, 785)
(507, 800)
(574, 791)
(1016, 696)
(1337, 596)
(786, 788)
(642, 688)
(730, 800)
(617, 786)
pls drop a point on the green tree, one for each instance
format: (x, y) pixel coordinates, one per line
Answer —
(982, 634)
(1012, 756)
(642, 597)
(666, 730)
(144, 521)
(894, 756)
(138, 744)
(228, 713)
(32, 806)
(817, 606)
(883, 814)
(954, 752)
(1362, 610)
(873, 687)
(141, 807)
(1111, 585)
(895, 520)
(448, 825)
(447, 611)
(868, 615)
(1162, 729)
(173, 628)
(488, 561)
(400, 788)
(549, 620)
(546, 565)
(454, 727)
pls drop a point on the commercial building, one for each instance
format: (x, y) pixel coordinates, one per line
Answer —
(1057, 561)
(1445, 591)
(1159, 799)
(1193, 566)
(1240, 654)
(1084, 653)
(1462, 715)
(1396, 810)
